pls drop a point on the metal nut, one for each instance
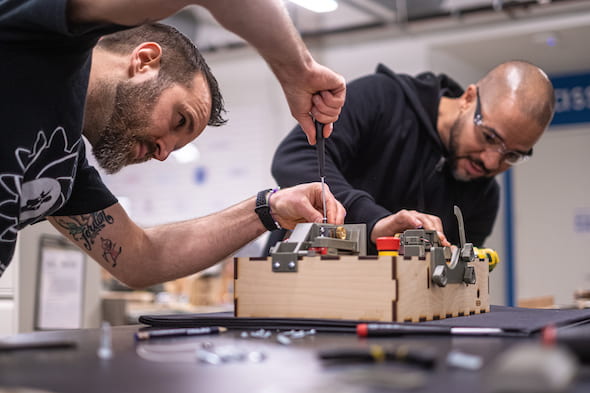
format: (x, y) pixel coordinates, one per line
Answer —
(340, 233)
(439, 276)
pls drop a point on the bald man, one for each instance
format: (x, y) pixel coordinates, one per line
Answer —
(409, 148)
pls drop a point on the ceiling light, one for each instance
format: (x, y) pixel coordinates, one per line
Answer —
(317, 5)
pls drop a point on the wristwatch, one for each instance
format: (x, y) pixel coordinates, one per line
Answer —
(263, 210)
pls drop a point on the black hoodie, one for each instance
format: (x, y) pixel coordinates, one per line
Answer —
(385, 155)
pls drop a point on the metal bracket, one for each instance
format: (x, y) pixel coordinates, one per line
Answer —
(284, 263)
(350, 239)
(415, 242)
(456, 270)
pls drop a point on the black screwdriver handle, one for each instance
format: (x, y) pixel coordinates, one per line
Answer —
(320, 146)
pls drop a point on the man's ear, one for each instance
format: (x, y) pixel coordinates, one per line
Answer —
(469, 97)
(145, 59)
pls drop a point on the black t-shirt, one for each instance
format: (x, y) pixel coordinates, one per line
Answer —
(44, 77)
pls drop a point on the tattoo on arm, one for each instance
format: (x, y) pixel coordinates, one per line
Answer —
(110, 251)
(86, 227)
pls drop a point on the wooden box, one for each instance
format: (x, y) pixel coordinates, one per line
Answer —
(383, 288)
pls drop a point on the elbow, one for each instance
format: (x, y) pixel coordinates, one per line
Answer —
(134, 281)
(135, 285)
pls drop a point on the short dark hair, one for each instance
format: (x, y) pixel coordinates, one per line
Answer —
(181, 59)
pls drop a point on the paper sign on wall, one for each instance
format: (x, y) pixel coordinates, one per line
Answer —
(60, 291)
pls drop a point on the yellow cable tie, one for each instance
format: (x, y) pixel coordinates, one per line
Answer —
(377, 353)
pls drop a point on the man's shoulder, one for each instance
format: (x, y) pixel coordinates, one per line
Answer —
(384, 71)
(424, 81)
(378, 85)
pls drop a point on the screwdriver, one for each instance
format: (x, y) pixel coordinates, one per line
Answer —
(321, 149)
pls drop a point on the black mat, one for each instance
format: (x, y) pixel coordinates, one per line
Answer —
(514, 321)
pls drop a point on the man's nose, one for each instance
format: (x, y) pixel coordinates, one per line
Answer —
(492, 160)
(163, 149)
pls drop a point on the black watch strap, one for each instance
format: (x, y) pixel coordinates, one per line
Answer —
(263, 210)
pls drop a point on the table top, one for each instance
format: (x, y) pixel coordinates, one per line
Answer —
(255, 364)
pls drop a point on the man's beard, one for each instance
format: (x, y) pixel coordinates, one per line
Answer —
(128, 126)
(454, 156)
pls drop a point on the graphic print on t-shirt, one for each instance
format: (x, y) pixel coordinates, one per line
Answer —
(43, 183)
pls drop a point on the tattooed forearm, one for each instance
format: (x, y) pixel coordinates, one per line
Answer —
(86, 227)
(110, 251)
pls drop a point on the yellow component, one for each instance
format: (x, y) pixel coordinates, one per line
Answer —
(491, 255)
(377, 353)
(389, 253)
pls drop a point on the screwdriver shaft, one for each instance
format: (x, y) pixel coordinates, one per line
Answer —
(321, 149)
(325, 219)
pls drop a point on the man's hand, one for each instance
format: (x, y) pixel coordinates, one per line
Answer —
(303, 203)
(408, 219)
(318, 94)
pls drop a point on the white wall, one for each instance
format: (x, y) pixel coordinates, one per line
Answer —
(552, 256)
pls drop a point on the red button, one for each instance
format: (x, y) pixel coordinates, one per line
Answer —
(388, 243)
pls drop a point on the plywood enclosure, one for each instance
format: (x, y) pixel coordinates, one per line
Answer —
(383, 288)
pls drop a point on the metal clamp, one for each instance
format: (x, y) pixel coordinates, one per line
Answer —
(457, 270)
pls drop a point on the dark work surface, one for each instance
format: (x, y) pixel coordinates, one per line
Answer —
(513, 320)
(172, 366)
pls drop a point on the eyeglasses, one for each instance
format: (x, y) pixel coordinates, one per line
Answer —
(494, 142)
